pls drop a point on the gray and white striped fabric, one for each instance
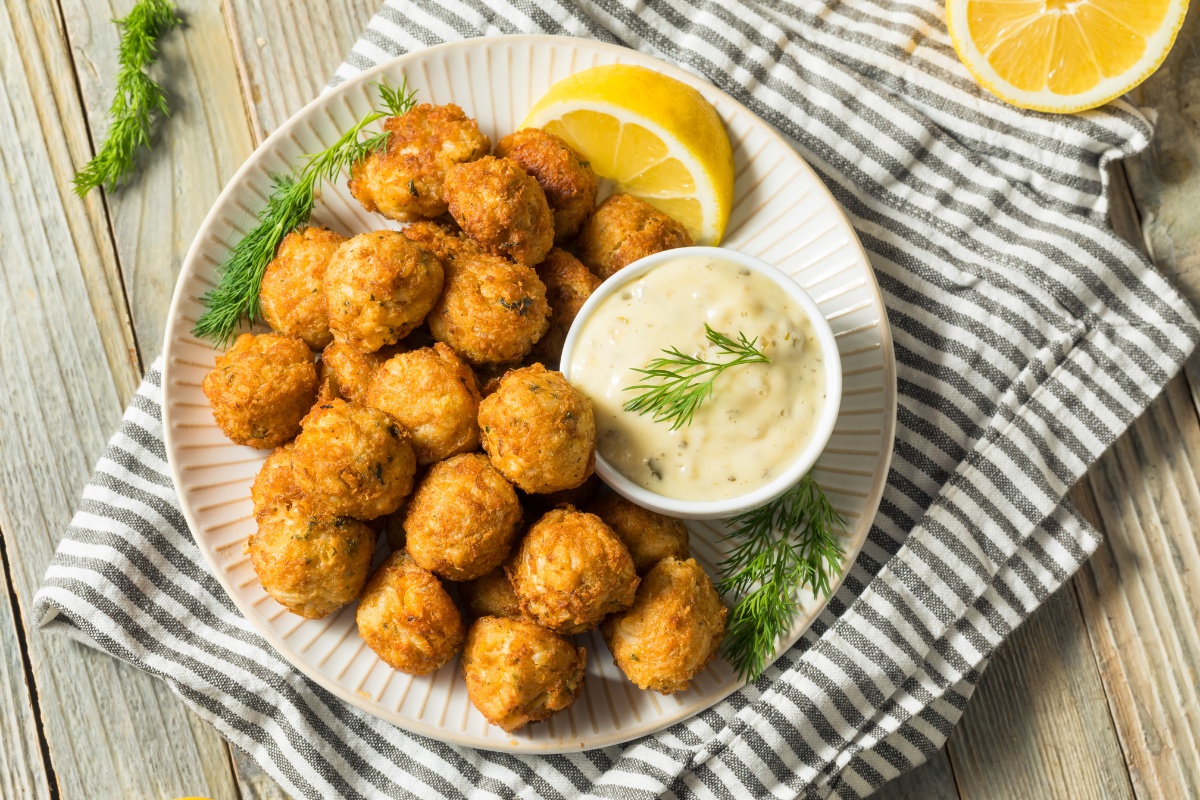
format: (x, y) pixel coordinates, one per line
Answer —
(1028, 337)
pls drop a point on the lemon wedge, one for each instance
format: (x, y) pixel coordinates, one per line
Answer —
(649, 136)
(1062, 55)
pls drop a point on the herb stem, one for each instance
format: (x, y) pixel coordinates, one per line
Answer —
(131, 116)
(683, 383)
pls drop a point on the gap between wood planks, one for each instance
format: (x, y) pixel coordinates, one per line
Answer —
(27, 666)
(112, 236)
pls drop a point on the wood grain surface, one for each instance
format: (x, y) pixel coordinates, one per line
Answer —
(1095, 696)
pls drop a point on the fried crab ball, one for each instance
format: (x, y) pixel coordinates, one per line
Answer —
(407, 617)
(291, 298)
(571, 571)
(518, 673)
(444, 240)
(568, 286)
(462, 518)
(650, 536)
(502, 208)
(492, 310)
(311, 564)
(405, 180)
(346, 372)
(378, 287)
(624, 229)
(539, 431)
(261, 388)
(433, 394)
(353, 460)
(490, 596)
(564, 175)
(673, 630)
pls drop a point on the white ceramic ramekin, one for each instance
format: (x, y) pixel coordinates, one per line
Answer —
(716, 509)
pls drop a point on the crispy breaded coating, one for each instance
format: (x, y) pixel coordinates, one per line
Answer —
(353, 460)
(347, 371)
(433, 394)
(490, 596)
(564, 175)
(673, 629)
(291, 296)
(404, 181)
(378, 287)
(539, 430)
(568, 286)
(462, 518)
(261, 388)
(623, 229)
(407, 617)
(311, 564)
(571, 571)
(502, 208)
(650, 536)
(518, 673)
(492, 311)
(445, 240)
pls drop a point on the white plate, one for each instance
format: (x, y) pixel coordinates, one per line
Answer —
(782, 214)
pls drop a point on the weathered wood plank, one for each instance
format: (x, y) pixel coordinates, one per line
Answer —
(1141, 593)
(253, 783)
(1038, 724)
(206, 140)
(111, 730)
(38, 53)
(933, 780)
(24, 775)
(290, 50)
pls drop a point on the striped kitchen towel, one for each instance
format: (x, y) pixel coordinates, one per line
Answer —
(1028, 336)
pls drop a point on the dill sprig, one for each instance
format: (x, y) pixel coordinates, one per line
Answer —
(778, 548)
(289, 207)
(687, 381)
(138, 97)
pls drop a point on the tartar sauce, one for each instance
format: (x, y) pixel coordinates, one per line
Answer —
(760, 416)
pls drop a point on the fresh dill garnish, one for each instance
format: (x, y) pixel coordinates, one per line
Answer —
(289, 207)
(687, 381)
(778, 548)
(131, 116)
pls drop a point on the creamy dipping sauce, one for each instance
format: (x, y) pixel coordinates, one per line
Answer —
(760, 416)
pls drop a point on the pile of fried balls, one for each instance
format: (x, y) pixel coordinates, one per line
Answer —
(432, 345)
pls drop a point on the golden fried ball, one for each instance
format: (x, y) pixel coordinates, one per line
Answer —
(309, 563)
(502, 208)
(539, 431)
(624, 229)
(353, 460)
(348, 371)
(492, 310)
(568, 286)
(444, 240)
(290, 296)
(405, 180)
(650, 536)
(564, 175)
(571, 571)
(462, 518)
(261, 388)
(433, 394)
(673, 630)
(518, 672)
(490, 596)
(378, 287)
(407, 617)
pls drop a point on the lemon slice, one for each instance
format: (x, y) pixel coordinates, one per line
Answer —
(649, 136)
(1062, 55)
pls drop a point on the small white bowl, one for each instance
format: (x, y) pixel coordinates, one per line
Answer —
(716, 509)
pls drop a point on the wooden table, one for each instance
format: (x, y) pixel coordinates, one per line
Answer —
(1094, 697)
